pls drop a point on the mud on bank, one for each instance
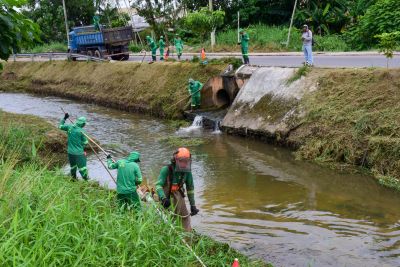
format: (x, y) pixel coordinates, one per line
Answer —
(131, 86)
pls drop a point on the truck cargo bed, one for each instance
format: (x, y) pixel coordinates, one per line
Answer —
(117, 35)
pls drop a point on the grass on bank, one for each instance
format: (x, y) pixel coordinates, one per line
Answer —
(151, 88)
(47, 220)
(353, 118)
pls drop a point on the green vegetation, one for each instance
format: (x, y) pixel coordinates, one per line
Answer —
(264, 38)
(302, 71)
(16, 30)
(388, 42)
(353, 119)
(46, 219)
(203, 22)
(382, 17)
(149, 88)
(178, 141)
(46, 48)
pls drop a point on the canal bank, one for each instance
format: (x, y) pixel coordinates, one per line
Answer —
(340, 117)
(77, 223)
(251, 195)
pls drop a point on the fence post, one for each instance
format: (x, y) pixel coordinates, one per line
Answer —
(32, 55)
(14, 57)
(51, 56)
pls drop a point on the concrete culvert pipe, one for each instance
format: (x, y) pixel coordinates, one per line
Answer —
(222, 98)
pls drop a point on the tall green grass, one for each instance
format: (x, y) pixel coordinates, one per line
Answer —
(48, 220)
(46, 48)
(265, 38)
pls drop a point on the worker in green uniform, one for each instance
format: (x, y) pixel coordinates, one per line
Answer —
(170, 184)
(244, 43)
(178, 46)
(161, 44)
(129, 177)
(153, 48)
(195, 91)
(76, 145)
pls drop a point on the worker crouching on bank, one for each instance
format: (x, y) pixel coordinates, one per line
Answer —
(170, 186)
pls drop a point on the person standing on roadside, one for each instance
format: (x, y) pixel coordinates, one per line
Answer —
(307, 38)
(178, 46)
(244, 43)
(161, 44)
(153, 48)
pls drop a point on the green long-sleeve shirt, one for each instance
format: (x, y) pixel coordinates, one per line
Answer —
(178, 43)
(178, 178)
(244, 41)
(161, 44)
(195, 88)
(128, 176)
(76, 138)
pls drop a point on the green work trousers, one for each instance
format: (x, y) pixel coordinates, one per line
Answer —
(129, 201)
(179, 52)
(196, 100)
(161, 54)
(154, 54)
(245, 54)
(78, 162)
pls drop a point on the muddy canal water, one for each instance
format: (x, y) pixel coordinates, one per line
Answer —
(254, 196)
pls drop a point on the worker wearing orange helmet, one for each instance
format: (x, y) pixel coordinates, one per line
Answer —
(170, 186)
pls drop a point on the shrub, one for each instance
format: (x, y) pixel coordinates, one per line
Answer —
(384, 16)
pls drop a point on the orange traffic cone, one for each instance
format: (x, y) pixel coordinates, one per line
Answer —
(203, 54)
(236, 263)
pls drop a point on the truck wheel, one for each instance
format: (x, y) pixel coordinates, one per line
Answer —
(117, 57)
(125, 57)
(97, 54)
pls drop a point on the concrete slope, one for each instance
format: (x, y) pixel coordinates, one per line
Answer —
(268, 102)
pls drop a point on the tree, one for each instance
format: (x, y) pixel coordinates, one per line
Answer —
(383, 16)
(16, 31)
(48, 14)
(160, 14)
(203, 22)
(388, 42)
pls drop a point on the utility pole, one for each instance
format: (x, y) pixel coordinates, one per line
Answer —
(238, 18)
(66, 21)
(291, 23)
(210, 6)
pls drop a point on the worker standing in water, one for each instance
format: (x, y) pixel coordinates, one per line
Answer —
(178, 46)
(170, 184)
(76, 146)
(161, 44)
(244, 43)
(153, 48)
(195, 91)
(129, 177)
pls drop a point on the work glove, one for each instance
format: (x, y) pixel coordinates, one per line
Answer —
(166, 202)
(66, 116)
(193, 210)
(109, 156)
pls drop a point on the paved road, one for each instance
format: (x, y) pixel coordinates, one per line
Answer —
(372, 60)
(290, 59)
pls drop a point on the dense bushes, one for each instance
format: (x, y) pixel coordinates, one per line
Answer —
(382, 17)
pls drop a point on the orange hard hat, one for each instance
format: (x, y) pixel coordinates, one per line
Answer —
(182, 153)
